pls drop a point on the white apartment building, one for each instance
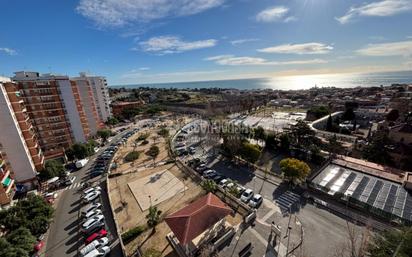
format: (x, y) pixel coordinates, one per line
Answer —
(12, 140)
(100, 94)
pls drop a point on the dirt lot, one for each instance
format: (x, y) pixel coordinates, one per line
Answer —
(127, 211)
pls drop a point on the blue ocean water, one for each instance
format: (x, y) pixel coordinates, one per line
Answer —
(294, 82)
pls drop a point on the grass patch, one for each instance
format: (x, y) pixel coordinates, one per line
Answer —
(132, 234)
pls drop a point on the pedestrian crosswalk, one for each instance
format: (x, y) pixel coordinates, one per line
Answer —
(286, 200)
(75, 185)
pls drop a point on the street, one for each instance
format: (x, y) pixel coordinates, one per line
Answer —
(64, 237)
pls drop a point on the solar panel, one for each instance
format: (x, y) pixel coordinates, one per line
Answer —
(362, 184)
(368, 189)
(390, 200)
(375, 192)
(354, 185)
(381, 199)
(399, 203)
(407, 210)
(347, 182)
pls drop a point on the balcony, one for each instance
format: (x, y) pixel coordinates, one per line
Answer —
(2, 162)
(4, 175)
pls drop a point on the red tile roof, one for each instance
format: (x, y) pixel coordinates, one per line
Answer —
(192, 220)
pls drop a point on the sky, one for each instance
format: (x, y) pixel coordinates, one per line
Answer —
(157, 41)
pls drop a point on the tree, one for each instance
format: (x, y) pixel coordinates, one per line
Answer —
(104, 134)
(303, 135)
(231, 144)
(52, 168)
(294, 170)
(396, 243)
(22, 238)
(250, 152)
(376, 150)
(153, 152)
(334, 146)
(112, 121)
(284, 142)
(131, 156)
(209, 185)
(164, 132)
(318, 112)
(329, 124)
(260, 133)
(153, 217)
(393, 115)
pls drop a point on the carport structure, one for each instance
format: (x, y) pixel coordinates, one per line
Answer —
(197, 223)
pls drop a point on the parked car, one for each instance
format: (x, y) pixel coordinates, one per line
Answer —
(91, 196)
(240, 189)
(101, 252)
(92, 222)
(96, 173)
(256, 201)
(38, 246)
(96, 235)
(92, 213)
(90, 207)
(91, 189)
(81, 163)
(209, 173)
(192, 150)
(223, 182)
(98, 243)
(201, 167)
(246, 195)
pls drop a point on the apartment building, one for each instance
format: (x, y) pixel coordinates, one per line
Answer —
(7, 186)
(89, 104)
(19, 145)
(55, 108)
(100, 92)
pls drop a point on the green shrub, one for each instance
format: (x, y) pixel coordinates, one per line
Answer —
(132, 156)
(152, 253)
(143, 137)
(132, 234)
(145, 142)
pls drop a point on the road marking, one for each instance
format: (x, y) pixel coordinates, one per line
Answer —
(267, 216)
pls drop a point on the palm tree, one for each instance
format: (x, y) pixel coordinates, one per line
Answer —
(209, 185)
(153, 217)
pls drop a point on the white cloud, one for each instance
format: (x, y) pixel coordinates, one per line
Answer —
(8, 51)
(118, 13)
(242, 41)
(378, 9)
(403, 48)
(173, 44)
(144, 68)
(275, 14)
(307, 48)
(232, 60)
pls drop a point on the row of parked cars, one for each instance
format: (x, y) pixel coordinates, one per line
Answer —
(93, 226)
(246, 195)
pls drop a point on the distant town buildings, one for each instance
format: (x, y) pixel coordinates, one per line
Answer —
(118, 107)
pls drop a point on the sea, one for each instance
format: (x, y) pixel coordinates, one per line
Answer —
(294, 82)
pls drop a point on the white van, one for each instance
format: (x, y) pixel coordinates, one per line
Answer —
(101, 252)
(98, 243)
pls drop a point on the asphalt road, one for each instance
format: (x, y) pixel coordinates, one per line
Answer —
(64, 238)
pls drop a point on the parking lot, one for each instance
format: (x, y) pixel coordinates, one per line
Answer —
(280, 204)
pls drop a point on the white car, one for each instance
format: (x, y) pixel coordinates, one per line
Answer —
(256, 201)
(92, 213)
(90, 207)
(247, 194)
(201, 167)
(95, 244)
(209, 173)
(91, 189)
(92, 222)
(91, 196)
(101, 252)
(223, 182)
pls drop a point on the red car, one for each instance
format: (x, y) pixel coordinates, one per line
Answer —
(97, 235)
(38, 246)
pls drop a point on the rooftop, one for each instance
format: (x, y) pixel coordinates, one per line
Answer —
(192, 220)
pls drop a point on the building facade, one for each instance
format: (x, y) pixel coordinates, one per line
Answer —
(18, 138)
(56, 111)
(100, 93)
